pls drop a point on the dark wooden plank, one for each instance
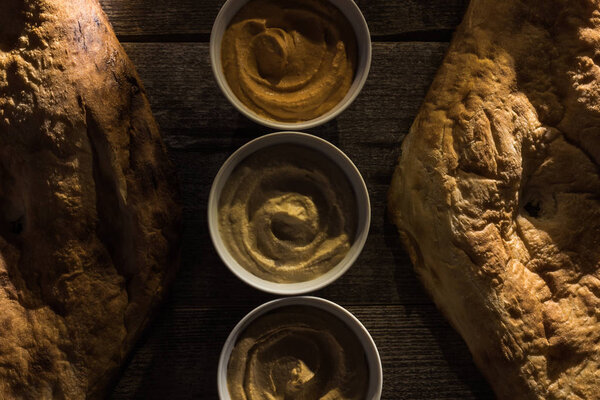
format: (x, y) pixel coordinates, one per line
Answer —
(181, 19)
(202, 130)
(423, 358)
(194, 115)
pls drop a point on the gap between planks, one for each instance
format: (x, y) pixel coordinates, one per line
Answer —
(178, 308)
(435, 35)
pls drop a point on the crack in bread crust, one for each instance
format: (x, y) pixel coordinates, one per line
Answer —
(498, 189)
(89, 215)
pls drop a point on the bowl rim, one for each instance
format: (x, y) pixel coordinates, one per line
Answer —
(335, 155)
(351, 321)
(364, 58)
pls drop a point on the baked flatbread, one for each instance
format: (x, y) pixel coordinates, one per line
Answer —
(497, 194)
(88, 213)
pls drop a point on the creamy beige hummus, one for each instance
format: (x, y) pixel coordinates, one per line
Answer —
(289, 60)
(298, 352)
(287, 214)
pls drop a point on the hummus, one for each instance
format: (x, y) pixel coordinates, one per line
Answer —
(287, 214)
(298, 352)
(289, 60)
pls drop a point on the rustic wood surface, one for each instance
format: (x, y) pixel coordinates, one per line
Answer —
(181, 19)
(423, 357)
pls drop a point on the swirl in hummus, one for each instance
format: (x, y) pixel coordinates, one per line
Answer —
(289, 60)
(298, 352)
(287, 214)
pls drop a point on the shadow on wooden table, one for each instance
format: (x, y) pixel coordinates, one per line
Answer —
(178, 354)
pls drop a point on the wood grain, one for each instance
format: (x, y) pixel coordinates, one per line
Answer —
(422, 357)
(202, 130)
(178, 19)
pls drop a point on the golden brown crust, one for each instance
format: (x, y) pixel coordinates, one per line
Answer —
(497, 193)
(88, 214)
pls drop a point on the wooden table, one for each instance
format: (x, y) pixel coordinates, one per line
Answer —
(423, 357)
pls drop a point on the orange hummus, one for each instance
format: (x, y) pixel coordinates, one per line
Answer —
(289, 60)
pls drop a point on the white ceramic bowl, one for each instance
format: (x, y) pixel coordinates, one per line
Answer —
(328, 150)
(371, 352)
(363, 37)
